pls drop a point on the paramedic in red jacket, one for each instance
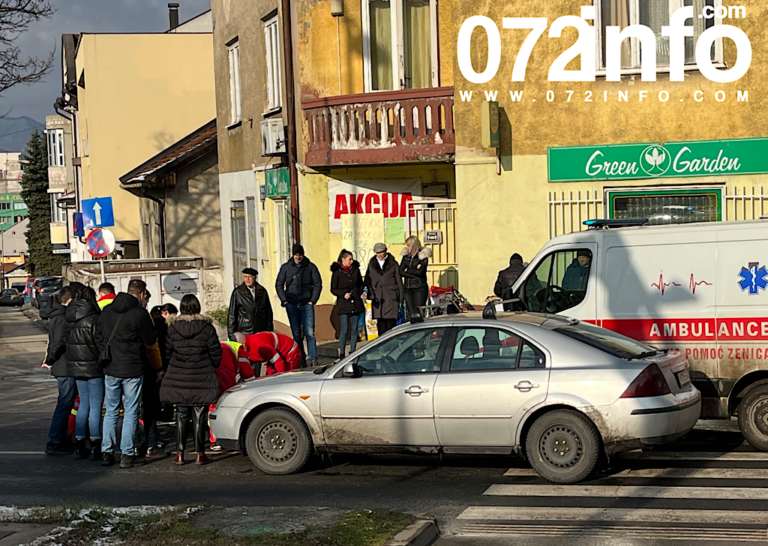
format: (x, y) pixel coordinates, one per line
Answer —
(234, 361)
(279, 352)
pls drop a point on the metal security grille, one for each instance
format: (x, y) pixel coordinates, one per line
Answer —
(437, 215)
(567, 211)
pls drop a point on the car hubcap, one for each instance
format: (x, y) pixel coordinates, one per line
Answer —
(561, 446)
(277, 442)
(759, 415)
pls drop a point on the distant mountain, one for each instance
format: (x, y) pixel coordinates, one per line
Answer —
(14, 133)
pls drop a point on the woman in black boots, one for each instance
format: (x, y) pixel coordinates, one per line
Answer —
(83, 364)
(191, 383)
(347, 286)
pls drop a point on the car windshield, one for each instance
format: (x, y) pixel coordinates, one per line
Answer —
(49, 282)
(9, 292)
(605, 340)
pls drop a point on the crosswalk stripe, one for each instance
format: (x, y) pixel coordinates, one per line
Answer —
(703, 473)
(696, 456)
(614, 491)
(520, 513)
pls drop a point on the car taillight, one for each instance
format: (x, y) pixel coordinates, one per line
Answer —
(650, 382)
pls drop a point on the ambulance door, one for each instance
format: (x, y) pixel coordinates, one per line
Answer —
(563, 281)
(660, 289)
(742, 303)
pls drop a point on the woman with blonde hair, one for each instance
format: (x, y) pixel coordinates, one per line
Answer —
(413, 269)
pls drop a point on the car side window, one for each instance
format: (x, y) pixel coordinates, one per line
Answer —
(414, 351)
(559, 282)
(485, 349)
(531, 357)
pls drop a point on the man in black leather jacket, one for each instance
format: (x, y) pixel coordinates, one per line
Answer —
(250, 310)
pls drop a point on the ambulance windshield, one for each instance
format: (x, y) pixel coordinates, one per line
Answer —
(605, 340)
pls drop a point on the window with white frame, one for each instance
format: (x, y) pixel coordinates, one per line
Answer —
(272, 45)
(58, 214)
(282, 231)
(655, 14)
(400, 44)
(235, 97)
(56, 147)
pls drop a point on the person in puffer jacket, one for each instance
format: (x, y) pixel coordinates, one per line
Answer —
(83, 364)
(191, 382)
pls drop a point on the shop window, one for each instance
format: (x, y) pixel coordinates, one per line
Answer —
(682, 206)
(655, 14)
(558, 282)
(282, 231)
(239, 240)
(272, 43)
(399, 41)
(235, 97)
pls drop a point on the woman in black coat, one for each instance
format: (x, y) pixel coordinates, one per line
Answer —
(385, 288)
(347, 286)
(413, 268)
(194, 352)
(83, 364)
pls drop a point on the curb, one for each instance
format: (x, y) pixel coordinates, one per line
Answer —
(421, 532)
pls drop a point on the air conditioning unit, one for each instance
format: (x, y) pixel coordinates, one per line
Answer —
(273, 137)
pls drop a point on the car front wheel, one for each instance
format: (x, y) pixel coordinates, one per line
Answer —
(753, 417)
(278, 441)
(563, 446)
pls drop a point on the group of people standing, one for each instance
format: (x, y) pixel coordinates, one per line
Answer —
(299, 285)
(111, 352)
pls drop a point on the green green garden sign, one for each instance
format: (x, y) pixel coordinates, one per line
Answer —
(653, 160)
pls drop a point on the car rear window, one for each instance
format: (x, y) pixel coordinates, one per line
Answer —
(603, 339)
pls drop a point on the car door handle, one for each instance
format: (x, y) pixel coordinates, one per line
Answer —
(415, 390)
(525, 386)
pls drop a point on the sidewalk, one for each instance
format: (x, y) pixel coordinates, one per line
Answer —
(255, 526)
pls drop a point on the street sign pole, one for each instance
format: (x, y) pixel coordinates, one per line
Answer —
(103, 277)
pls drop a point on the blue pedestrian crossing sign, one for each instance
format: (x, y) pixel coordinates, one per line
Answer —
(97, 212)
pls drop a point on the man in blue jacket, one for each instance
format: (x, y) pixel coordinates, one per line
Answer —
(299, 286)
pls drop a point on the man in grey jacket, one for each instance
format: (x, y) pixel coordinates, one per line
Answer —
(299, 286)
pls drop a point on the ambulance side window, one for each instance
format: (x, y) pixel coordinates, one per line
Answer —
(559, 282)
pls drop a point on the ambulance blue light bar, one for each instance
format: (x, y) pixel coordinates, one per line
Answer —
(605, 224)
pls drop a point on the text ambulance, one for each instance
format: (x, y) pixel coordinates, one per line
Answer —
(699, 288)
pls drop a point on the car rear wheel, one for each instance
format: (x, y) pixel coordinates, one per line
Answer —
(278, 441)
(753, 417)
(563, 446)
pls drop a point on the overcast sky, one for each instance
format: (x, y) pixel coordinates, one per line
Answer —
(74, 16)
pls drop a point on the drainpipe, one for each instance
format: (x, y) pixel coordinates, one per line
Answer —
(161, 204)
(291, 118)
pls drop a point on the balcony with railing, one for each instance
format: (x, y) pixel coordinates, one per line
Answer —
(384, 127)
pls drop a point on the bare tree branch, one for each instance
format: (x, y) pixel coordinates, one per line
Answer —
(15, 18)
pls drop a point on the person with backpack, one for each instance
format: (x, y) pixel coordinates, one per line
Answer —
(125, 330)
(191, 383)
(83, 364)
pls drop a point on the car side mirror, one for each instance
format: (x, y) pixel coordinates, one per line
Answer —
(350, 370)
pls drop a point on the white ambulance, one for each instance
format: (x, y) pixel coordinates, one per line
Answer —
(700, 288)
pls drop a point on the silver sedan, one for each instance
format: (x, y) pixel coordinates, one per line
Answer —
(554, 390)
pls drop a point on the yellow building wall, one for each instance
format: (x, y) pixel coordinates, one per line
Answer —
(143, 92)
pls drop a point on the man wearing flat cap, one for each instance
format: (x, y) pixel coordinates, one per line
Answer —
(250, 311)
(299, 286)
(385, 288)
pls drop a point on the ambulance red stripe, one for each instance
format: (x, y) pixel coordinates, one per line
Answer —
(721, 329)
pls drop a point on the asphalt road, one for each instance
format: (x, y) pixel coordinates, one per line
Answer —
(710, 486)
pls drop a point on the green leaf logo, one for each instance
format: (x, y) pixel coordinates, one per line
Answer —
(655, 160)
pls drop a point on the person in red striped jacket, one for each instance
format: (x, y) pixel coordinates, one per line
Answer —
(280, 353)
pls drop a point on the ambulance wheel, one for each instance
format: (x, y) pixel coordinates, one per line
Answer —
(563, 446)
(278, 442)
(753, 417)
